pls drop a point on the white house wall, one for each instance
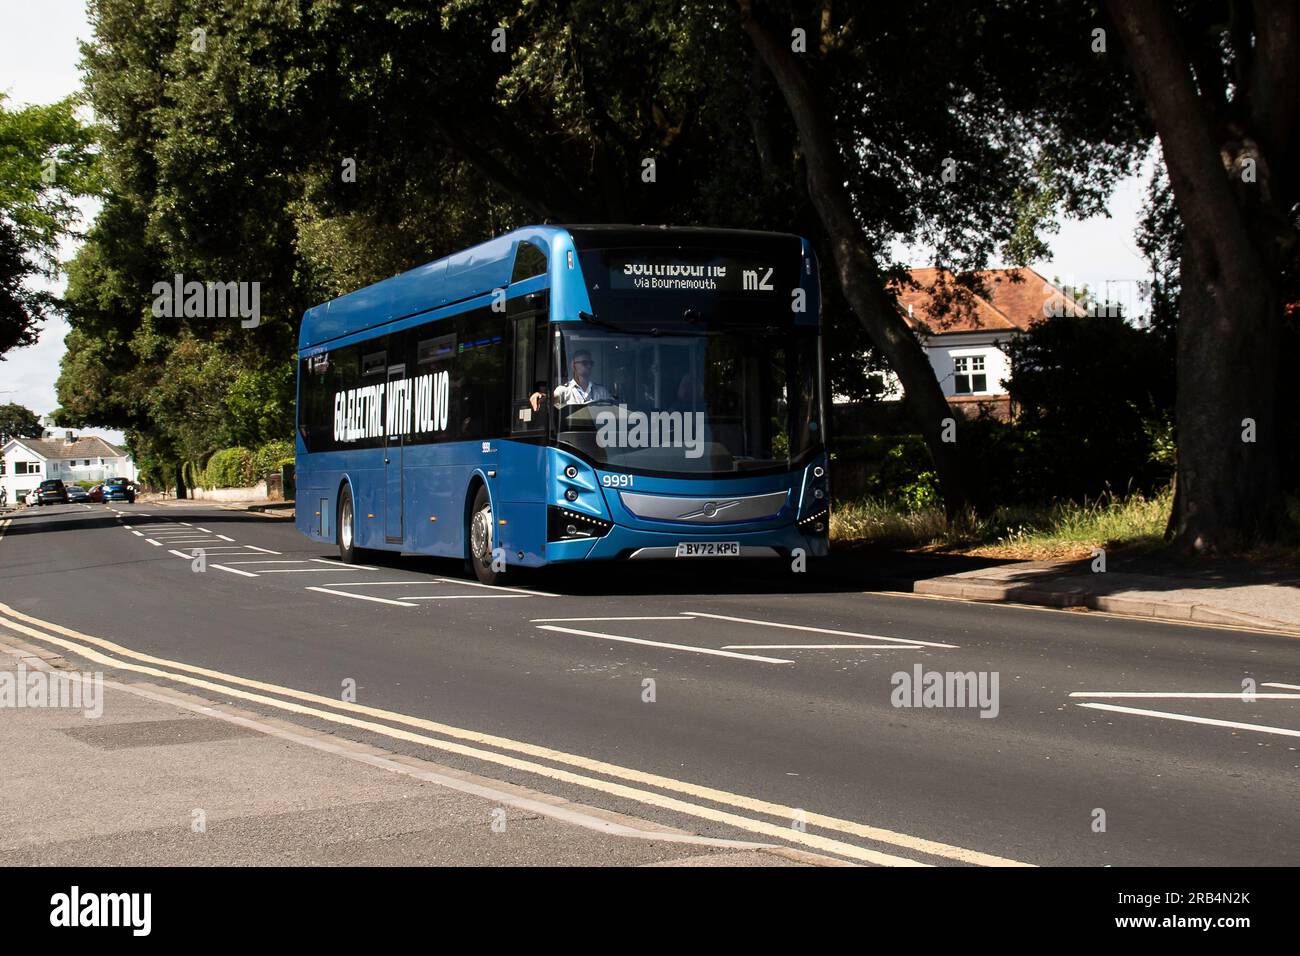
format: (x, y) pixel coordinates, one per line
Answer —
(70, 471)
(943, 352)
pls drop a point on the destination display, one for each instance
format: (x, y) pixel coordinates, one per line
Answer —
(649, 273)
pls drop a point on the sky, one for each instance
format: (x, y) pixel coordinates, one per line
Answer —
(39, 64)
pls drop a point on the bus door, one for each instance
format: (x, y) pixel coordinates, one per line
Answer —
(531, 369)
(393, 448)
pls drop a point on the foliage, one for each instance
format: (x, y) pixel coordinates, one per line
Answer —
(229, 468)
(46, 163)
(270, 457)
(18, 421)
(1087, 389)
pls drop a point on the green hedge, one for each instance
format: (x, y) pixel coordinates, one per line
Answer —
(229, 468)
(270, 457)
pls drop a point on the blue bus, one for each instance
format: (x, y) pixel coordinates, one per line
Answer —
(567, 394)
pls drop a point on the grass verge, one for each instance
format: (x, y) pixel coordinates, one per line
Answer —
(1062, 530)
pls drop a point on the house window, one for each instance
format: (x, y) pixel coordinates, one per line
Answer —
(968, 374)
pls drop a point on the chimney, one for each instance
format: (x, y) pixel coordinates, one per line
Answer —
(68, 439)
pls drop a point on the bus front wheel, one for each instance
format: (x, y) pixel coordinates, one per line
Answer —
(482, 540)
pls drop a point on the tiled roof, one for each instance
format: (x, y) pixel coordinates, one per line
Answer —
(1012, 300)
(87, 446)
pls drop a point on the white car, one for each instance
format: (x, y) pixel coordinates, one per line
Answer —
(33, 497)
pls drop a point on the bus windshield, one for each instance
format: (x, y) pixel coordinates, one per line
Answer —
(703, 400)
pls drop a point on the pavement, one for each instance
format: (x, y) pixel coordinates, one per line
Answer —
(162, 778)
(732, 701)
(1166, 591)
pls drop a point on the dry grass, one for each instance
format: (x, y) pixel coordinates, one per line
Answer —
(1064, 530)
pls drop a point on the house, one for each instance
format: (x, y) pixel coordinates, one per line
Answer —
(964, 333)
(26, 462)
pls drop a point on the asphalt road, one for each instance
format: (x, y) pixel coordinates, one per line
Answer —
(773, 698)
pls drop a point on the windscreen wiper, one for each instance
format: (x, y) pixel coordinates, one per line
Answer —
(588, 317)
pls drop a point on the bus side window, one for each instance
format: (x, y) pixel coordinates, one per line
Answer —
(482, 366)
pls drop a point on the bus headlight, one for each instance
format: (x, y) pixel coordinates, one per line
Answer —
(565, 525)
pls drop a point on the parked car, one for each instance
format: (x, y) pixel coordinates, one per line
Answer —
(33, 497)
(77, 494)
(52, 491)
(95, 494)
(119, 489)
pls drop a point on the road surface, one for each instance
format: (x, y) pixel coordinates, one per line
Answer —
(731, 700)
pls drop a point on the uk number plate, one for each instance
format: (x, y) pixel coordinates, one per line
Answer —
(708, 549)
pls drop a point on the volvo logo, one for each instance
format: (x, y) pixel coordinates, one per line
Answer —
(709, 509)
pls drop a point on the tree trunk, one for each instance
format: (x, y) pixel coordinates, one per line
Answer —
(180, 481)
(1229, 308)
(855, 267)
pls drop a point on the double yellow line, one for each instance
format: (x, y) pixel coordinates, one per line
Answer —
(512, 753)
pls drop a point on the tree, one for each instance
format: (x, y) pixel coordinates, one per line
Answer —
(1219, 82)
(18, 421)
(875, 150)
(46, 162)
(1091, 390)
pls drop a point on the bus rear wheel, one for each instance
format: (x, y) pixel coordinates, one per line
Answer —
(349, 553)
(481, 534)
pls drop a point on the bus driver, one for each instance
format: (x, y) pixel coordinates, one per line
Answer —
(579, 390)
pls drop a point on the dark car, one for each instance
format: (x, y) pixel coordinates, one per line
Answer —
(52, 492)
(76, 493)
(119, 489)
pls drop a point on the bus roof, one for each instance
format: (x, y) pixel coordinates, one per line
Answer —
(480, 269)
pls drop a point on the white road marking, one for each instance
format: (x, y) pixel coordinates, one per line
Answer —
(127, 527)
(812, 647)
(1282, 686)
(246, 574)
(574, 620)
(463, 597)
(253, 547)
(672, 647)
(224, 538)
(138, 534)
(358, 584)
(153, 542)
(362, 597)
(494, 587)
(819, 630)
(223, 551)
(272, 561)
(204, 530)
(300, 570)
(1187, 718)
(1240, 695)
(186, 523)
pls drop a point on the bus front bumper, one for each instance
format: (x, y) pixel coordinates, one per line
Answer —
(635, 544)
